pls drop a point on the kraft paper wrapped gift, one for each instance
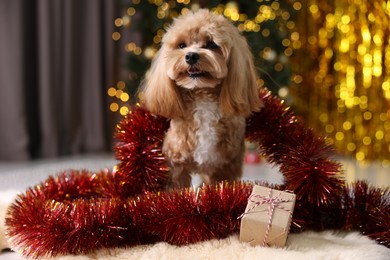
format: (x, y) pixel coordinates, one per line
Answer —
(267, 217)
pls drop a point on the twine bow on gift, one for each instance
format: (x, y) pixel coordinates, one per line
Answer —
(273, 202)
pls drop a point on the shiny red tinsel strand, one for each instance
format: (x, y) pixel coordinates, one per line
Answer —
(43, 224)
(142, 165)
(79, 212)
(367, 209)
(303, 157)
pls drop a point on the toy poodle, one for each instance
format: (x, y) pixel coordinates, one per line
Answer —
(203, 79)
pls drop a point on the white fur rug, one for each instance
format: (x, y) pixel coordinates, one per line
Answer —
(308, 245)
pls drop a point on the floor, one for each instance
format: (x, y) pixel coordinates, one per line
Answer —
(16, 177)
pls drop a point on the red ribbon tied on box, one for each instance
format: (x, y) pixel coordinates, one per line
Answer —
(273, 202)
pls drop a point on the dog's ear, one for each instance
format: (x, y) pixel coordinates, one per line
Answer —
(159, 93)
(239, 93)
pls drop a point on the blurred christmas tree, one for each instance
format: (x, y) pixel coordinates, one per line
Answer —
(268, 25)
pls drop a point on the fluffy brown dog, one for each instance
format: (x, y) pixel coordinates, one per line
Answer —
(204, 80)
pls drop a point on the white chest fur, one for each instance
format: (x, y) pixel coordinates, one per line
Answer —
(206, 117)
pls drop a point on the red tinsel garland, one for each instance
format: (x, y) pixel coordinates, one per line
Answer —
(303, 157)
(142, 165)
(59, 217)
(78, 212)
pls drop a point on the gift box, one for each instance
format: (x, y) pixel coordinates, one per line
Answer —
(267, 217)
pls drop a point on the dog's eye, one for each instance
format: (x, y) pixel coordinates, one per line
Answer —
(211, 45)
(182, 45)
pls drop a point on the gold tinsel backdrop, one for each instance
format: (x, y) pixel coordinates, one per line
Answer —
(344, 65)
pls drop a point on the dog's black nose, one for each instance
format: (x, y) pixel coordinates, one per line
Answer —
(192, 58)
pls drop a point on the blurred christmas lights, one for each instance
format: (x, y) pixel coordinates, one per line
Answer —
(348, 75)
(119, 96)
